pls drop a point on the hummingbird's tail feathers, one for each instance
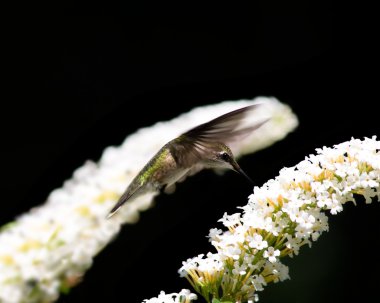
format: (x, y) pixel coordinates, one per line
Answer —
(112, 212)
(115, 209)
(122, 200)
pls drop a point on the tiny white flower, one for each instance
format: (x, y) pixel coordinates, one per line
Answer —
(214, 233)
(257, 242)
(271, 254)
(258, 282)
(230, 220)
(239, 269)
(293, 244)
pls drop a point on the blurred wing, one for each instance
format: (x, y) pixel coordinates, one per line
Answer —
(226, 129)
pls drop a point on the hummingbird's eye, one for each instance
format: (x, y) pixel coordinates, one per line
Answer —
(225, 157)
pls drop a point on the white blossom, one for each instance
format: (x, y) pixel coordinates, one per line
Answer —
(184, 296)
(271, 254)
(214, 233)
(285, 214)
(257, 242)
(258, 282)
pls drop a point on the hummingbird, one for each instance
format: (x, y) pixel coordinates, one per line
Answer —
(204, 146)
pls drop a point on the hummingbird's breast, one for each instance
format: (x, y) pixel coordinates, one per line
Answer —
(163, 169)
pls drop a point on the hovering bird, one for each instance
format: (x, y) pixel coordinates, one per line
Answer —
(204, 146)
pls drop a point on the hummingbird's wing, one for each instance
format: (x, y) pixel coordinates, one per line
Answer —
(227, 129)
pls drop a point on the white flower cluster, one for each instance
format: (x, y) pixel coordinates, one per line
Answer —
(47, 250)
(280, 217)
(185, 296)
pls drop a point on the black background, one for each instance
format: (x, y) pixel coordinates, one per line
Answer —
(76, 85)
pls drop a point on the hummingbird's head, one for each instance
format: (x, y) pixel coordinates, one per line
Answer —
(222, 157)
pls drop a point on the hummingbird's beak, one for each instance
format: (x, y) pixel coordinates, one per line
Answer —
(240, 171)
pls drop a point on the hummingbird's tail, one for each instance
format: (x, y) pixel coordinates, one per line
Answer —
(115, 209)
(124, 198)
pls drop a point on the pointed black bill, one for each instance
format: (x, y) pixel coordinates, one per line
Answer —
(240, 171)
